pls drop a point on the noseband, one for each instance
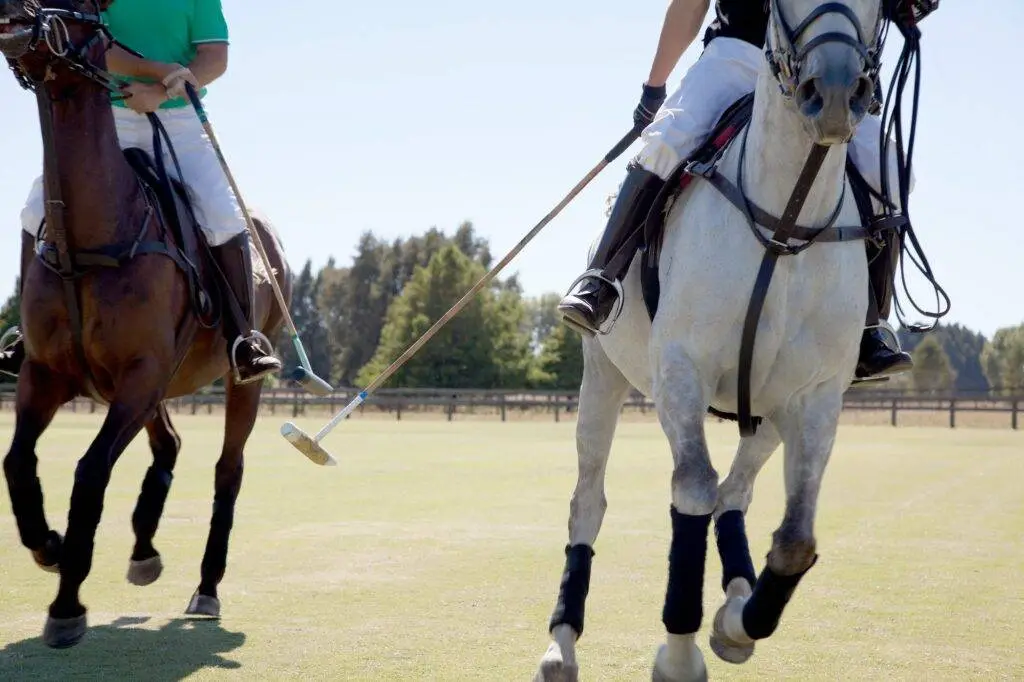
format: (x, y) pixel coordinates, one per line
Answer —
(786, 61)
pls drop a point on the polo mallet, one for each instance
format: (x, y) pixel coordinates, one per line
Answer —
(311, 447)
(303, 374)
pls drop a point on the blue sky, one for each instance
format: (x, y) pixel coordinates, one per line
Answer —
(341, 117)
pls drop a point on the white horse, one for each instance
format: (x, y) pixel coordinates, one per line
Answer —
(688, 359)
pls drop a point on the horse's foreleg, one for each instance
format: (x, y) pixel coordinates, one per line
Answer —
(136, 398)
(738, 575)
(602, 395)
(145, 565)
(682, 406)
(240, 416)
(809, 430)
(40, 394)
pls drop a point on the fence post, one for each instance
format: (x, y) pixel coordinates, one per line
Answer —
(451, 408)
(895, 409)
(952, 413)
(1013, 415)
(502, 407)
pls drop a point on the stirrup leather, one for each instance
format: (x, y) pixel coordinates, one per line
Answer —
(254, 335)
(597, 274)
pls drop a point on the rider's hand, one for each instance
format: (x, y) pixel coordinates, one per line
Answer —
(650, 102)
(144, 98)
(176, 80)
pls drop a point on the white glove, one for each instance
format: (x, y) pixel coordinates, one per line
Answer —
(175, 81)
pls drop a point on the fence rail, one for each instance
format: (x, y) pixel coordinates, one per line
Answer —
(504, 404)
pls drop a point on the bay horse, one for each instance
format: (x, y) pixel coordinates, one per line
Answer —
(757, 318)
(119, 303)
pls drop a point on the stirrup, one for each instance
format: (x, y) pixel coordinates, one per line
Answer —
(10, 338)
(254, 335)
(595, 273)
(884, 326)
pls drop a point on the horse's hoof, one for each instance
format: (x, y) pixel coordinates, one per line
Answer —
(729, 651)
(61, 633)
(724, 646)
(201, 605)
(692, 670)
(553, 667)
(48, 557)
(145, 572)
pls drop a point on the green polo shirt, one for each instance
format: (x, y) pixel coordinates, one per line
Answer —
(166, 31)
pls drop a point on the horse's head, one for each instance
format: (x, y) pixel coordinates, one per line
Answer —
(825, 58)
(52, 40)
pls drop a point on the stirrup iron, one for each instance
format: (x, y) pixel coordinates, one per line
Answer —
(597, 274)
(10, 338)
(254, 335)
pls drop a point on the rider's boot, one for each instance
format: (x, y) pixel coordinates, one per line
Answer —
(12, 345)
(249, 361)
(877, 358)
(594, 296)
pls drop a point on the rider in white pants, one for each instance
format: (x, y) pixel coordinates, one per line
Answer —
(183, 43)
(728, 69)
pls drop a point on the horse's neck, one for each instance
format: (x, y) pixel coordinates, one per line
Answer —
(777, 148)
(96, 183)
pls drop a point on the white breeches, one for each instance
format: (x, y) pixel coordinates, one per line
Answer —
(727, 70)
(215, 205)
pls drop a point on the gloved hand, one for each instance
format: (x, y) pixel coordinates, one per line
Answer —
(175, 81)
(650, 102)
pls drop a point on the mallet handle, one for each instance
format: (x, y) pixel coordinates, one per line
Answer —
(619, 147)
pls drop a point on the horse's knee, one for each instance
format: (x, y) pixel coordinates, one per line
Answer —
(695, 488)
(793, 551)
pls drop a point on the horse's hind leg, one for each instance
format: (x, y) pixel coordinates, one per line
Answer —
(39, 396)
(809, 430)
(241, 411)
(145, 565)
(602, 394)
(681, 398)
(734, 496)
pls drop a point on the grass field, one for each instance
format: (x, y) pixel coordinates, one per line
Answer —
(434, 553)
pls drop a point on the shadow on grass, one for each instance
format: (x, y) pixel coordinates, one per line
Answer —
(121, 651)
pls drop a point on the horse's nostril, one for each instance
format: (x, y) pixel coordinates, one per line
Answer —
(808, 98)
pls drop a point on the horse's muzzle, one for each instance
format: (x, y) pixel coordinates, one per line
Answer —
(834, 94)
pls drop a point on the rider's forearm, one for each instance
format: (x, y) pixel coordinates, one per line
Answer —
(682, 21)
(125, 63)
(210, 63)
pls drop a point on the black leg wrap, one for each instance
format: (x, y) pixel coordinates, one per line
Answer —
(26, 494)
(150, 506)
(572, 593)
(684, 597)
(731, 537)
(763, 610)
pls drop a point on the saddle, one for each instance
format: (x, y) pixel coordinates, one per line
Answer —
(179, 236)
(703, 162)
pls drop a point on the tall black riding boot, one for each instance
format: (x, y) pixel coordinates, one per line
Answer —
(877, 358)
(12, 345)
(249, 361)
(594, 295)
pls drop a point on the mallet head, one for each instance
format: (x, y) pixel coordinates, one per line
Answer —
(311, 382)
(307, 445)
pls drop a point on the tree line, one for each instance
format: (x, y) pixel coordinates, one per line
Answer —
(355, 320)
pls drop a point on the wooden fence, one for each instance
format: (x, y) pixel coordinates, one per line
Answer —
(556, 405)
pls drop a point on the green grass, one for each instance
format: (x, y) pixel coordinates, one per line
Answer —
(434, 553)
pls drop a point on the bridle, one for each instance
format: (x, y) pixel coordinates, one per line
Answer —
(786, 61)
(50, 27)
